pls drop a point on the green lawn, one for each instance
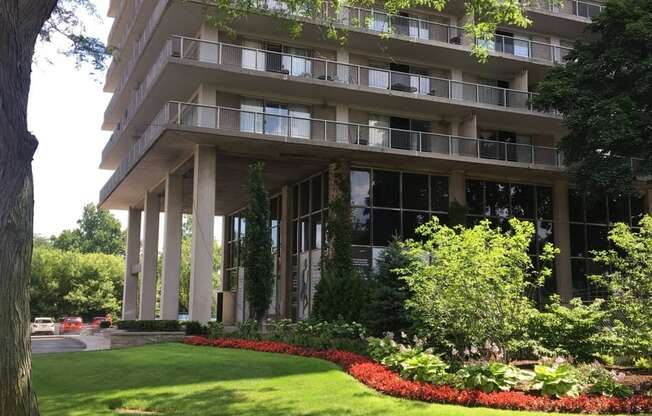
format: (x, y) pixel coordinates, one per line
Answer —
(177, 379)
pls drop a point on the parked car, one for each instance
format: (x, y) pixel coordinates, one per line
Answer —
(72, 324)
(43, 325)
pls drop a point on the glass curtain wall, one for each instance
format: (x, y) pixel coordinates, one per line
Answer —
(590, 220)
(392, 203)
(499, 201)
(309, 213)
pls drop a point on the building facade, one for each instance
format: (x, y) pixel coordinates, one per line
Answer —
(402, 111)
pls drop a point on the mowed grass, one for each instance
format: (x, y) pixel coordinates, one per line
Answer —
(177, 379)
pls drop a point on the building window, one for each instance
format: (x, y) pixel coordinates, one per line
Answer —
(499, 201)
(590, 220)
(386, 204)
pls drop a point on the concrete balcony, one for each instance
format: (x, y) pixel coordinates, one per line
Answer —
(331, 80)
(231, 128)
(576, 8)
(565, 18)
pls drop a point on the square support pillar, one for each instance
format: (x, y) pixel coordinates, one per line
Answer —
(150, 258)
(285, 246)
(457, 188)
(132, 258)
(561, 231)
(203, 218)
(172, 247)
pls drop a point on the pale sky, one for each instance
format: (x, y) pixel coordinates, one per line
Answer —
(65, 112)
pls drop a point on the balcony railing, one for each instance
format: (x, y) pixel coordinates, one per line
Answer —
(422, 29)
(285, 126)
(319, 69)
(571, 7)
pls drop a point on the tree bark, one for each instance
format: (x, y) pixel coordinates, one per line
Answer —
(20, 24)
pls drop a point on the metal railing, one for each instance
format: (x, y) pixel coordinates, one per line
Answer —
(422, 29)
(320, 69)
(287, 126)
(578, 8)
(327, 70)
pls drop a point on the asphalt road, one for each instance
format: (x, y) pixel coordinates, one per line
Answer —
(56, 343)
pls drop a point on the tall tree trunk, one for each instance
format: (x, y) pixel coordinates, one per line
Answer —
(20, 24)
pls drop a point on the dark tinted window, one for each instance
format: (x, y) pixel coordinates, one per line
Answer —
(316, 193)
(387, 224)
(304, 196)
(575, 206)
(386, 189)
(412, 220)
(361, 230)
(497, 199)
(415, 191)
(439, 193)
(474, 197)
(522, 200)
(544, 202)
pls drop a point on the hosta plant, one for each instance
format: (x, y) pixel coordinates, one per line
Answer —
(557, 380)
(424, 367)
(492, 376)
(379, 348)
(604, 382)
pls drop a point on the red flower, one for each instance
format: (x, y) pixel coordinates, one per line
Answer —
(388, 382)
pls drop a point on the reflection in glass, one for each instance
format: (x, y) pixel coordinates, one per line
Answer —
(361, 226)
(386, 225)
(415, 191)
(439, 193)
(360, 185)
(386, 189)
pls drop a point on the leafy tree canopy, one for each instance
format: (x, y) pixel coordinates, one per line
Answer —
(605, 95)
(98, 232)
(487, 15)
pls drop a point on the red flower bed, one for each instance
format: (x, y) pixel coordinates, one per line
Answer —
(388, 382)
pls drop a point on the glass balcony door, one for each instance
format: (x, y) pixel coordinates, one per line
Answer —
(276, 119)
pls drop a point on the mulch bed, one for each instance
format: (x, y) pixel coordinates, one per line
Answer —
(381, 379)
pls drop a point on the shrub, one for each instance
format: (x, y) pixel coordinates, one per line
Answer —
(469, 285)
(385, 309)
(249, 329)
(604, 382)
(557, 380)
(325, 335)
(627, 278)
(215, 329)
(105, 324)
(379, 348)
(492, 376)
(643, 363)
(577, 330)
(195, 328)
(149, 325)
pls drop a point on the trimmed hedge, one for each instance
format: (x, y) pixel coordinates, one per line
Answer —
(146, 326)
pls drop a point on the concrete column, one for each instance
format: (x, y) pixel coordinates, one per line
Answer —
(285, 246)
(520, 81)
(207, 116)
(457, 187)
(457, 88)
(172, 247)
(561, 231)
(132, 258)
(150, 258)
(208, 51)
(203, 218)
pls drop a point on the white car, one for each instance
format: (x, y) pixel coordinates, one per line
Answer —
(43, 325)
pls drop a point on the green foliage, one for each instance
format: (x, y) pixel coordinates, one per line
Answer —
(73, 283)
(488, 15)
(194, 328)
(215, 329)
(385, 310)
(629, 267)
(604, 94)
(468, 285)
(490, 376)
(318, 334)
(379, 348)
(643, 363)
(149, 325)
(557, 380)
(424, 367)
(98, 232)
(602, 381)
(342, 289)
(248, 329)
(257, 257)
(575, 330)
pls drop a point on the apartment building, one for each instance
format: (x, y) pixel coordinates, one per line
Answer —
(402, 111)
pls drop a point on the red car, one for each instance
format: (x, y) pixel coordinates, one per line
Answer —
(72, 324)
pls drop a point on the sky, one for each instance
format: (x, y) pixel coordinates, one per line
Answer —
(65, 112)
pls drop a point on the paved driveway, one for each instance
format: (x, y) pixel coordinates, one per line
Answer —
(47, 344)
